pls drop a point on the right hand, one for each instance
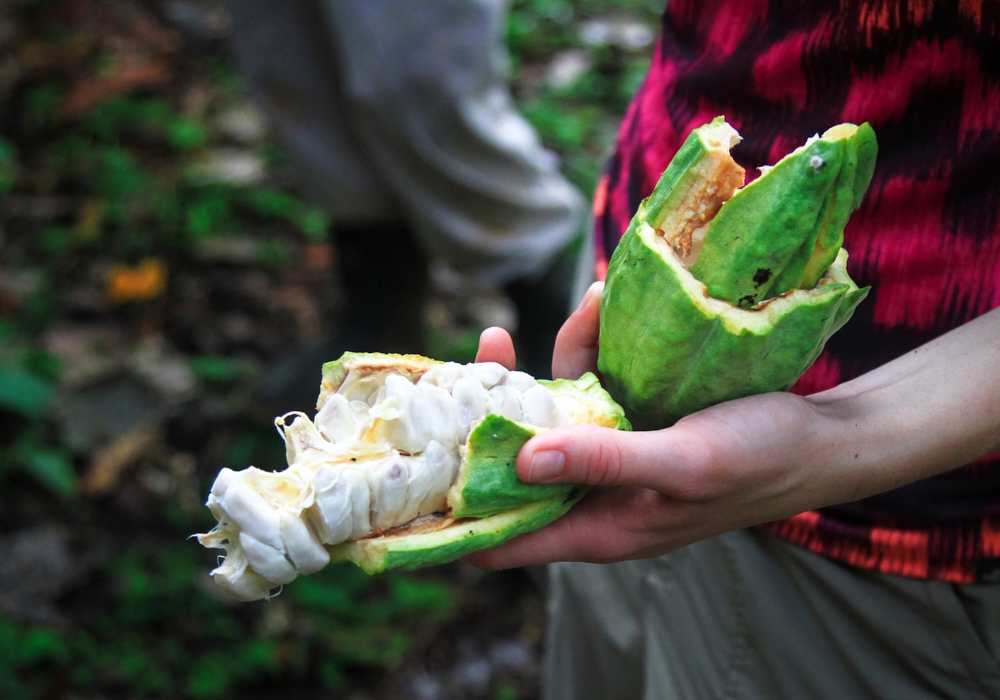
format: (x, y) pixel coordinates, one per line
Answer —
(754, 459)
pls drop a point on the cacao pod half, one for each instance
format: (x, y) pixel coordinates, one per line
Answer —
(718, 291)
(409, 462)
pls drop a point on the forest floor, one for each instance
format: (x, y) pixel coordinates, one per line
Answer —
(156, 259)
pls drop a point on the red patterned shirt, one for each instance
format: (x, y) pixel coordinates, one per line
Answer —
(926, 75)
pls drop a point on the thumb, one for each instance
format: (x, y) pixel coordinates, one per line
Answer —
(586, 454)
(575, 351)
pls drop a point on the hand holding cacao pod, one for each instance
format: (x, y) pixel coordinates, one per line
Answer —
(754, 459)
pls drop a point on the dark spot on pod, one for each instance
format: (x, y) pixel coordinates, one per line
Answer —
(571, 496)
(761, 277)
(746, 302)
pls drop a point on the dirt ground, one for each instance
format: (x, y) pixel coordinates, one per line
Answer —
(157, 261)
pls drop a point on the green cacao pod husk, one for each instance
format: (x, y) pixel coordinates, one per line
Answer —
(718, 291)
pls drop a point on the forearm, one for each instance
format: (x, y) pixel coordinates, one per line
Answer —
(932, 410)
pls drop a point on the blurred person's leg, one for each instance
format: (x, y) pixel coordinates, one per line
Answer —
(403, 110)
(284, 50)
(749, 616)
(287, 54)
(427, 84)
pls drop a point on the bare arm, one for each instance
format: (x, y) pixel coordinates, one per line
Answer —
(755, 459)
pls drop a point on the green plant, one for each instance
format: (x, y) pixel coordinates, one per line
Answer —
(161, 635)
(26, 392)
(577, 120)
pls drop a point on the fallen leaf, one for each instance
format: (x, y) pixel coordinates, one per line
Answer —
(130, 76)
(109, 463)
(89, 219)
(320, 256)
(143, 282)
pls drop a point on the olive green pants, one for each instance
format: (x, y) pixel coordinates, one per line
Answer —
(749, 616)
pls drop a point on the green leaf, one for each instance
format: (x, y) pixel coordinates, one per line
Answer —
(506, 692)
(272, 254)
(40, 363)
(8, 166)
(216, 370)
(41, 102)
(209, 677)
(415, 595)
(184, 133)
(55, 239)
(118, 176)
(24, 393)
(314, 224)
(41, 644)
(209, 214)
(331, 675)
(270, 202)
(52, 468)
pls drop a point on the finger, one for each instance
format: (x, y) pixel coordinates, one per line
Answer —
(603, 528)
(495, 345)
(665, 460)
(576, 344)
(557, 542)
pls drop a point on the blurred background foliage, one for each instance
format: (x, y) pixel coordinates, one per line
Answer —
(155, 257)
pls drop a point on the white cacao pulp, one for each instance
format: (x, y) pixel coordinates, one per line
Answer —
(381, 452)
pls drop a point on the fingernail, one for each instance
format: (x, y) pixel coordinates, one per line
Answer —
(593, 290)
(546, 465)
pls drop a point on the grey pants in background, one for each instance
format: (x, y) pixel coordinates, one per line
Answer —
(749, 616)
(402, 110)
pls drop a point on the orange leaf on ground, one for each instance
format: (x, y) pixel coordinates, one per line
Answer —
(110, 462)
(144, 281)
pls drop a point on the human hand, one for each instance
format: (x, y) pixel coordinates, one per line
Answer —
(755, 459)
(721, 469)
(730, 466)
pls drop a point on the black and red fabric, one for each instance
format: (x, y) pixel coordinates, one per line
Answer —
(926, 75)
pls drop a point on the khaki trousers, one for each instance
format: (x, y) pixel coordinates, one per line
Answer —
(749, 616)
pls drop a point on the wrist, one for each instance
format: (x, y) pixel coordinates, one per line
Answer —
(847, 450)
(876, 438)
